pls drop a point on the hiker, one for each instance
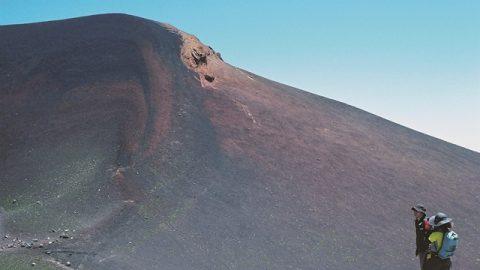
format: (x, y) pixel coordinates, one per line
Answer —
(442, 243)
(422, 229)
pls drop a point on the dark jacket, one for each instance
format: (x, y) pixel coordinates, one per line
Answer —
(422, 235)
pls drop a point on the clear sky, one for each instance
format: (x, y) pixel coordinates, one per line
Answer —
(414, 62)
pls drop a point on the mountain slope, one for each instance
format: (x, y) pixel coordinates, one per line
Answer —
(155, 154)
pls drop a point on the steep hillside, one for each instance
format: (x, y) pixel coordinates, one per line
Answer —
(128, 144)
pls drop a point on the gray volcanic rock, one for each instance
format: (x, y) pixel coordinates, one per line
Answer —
(156, 154)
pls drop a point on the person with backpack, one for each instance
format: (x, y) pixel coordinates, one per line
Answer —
(443, 242)
(422, 228)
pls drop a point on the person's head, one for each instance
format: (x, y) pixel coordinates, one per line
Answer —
(419, 211)
(440, 222)
(418, 215)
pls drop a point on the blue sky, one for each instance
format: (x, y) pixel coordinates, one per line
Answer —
(416, 63)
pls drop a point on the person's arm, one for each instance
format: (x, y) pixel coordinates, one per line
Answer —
(416, 237)
(433, 247)
(419, 237)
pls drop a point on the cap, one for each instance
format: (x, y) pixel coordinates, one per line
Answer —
(420, 208)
